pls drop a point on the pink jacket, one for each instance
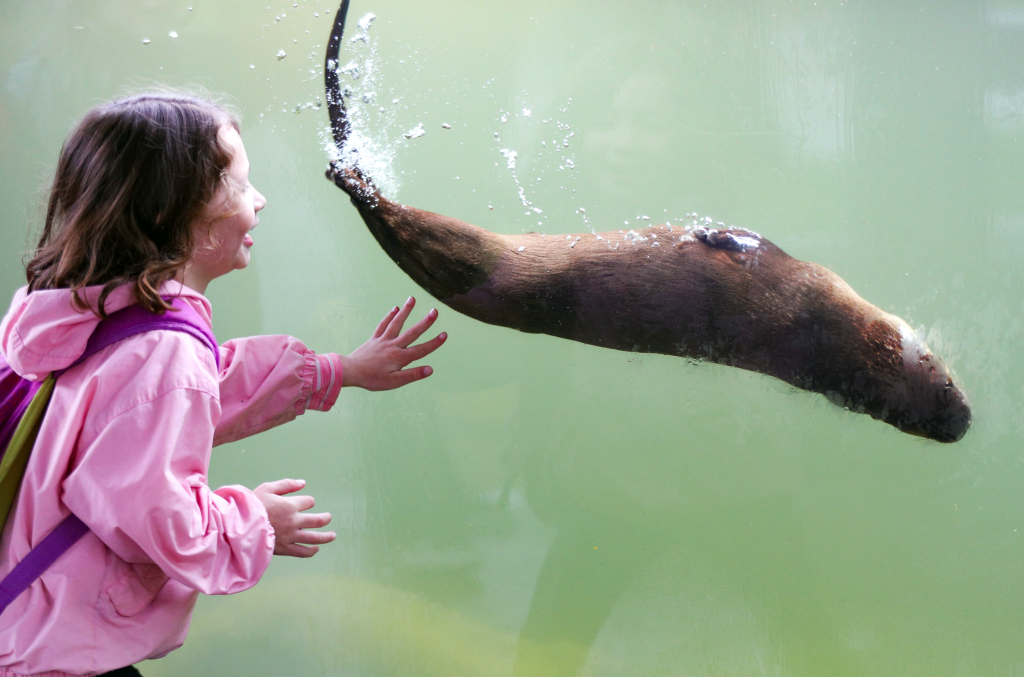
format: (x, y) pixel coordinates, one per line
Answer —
(126, 445)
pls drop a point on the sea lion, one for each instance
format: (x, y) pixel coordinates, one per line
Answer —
(724, 295)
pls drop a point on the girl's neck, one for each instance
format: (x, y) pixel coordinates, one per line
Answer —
(193, 279)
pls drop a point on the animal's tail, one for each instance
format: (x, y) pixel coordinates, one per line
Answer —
(346, 176)
(340, 126)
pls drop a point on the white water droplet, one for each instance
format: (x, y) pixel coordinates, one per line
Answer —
(527, 112)
(521, 249)
(351, 68)
(445, 125)
(281, 54)
(510, 156)
(173, 34)
(416, 132)
(146, 41)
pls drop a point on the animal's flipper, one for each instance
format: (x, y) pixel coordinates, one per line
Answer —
(340, 126)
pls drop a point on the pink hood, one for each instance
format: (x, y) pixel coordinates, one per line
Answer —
(44, 331)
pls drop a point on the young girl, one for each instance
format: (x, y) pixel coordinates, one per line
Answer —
(151, 200)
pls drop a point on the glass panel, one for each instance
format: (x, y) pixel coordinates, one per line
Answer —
(540, 507)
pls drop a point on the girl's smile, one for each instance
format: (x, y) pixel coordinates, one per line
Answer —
(224, 245)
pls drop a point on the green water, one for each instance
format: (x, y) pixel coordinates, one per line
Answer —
(543, 508)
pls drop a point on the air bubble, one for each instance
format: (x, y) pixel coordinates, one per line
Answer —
(416, 132)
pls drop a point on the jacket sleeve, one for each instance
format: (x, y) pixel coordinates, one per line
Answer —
(269, 380)
(140, 485)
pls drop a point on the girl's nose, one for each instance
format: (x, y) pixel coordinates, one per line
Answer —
(259, 202)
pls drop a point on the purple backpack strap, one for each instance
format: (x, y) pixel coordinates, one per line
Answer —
(121, 325)
(15, 395)
(135, 319)
(39, 558)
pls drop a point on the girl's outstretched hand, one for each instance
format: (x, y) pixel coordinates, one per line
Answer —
(291, 527)
(379, 364)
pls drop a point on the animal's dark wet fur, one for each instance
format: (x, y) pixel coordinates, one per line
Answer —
(725, 295)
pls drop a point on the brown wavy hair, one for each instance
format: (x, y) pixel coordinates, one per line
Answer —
(133, 180)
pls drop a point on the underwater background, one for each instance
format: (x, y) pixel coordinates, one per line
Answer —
(543, 508)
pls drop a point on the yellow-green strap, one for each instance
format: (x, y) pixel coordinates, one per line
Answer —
(16, 457)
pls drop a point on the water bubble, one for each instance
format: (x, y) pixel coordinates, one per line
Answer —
(510, 156)
(146, 41)
(527, 112)
(281, 54)
(416, 132)
(332, 65)
(173, 34)
(445, 125)
(252, 65)
(351, 68)
(364, 24)
(504, 118)
(521, 249)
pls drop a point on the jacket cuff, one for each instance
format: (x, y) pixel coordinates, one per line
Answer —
(327, 382)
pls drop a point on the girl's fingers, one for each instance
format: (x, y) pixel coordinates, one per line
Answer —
(415, 331)
(422, 350)
(379, 331)
(296, 550)
(301, 503)
(312, 521)
(282, 487)
(407, 376)
(395, 326)
(313, 537)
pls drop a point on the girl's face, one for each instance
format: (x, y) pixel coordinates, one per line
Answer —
(224, 246)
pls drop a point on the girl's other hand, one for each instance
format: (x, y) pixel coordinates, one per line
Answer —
(379, 364)
(291, 527)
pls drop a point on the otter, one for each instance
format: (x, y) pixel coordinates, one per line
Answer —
(723, 295)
